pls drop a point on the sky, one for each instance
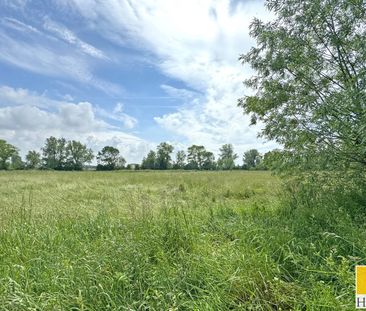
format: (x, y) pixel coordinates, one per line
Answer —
(127, 73)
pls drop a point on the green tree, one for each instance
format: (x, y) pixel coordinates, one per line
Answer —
(33, 159)
(108, 158)
(310, 81)
(180, 160)
(195, 156)
(227, 157)
(121, 162)
(163, 156)
(78, 155)
(251, 159)
(16, 162)
(49, 153)
(273, 159)
(208, 161)
(55, 153)
(199, 158)
(61, 153)
(149, 162)
(7, 151)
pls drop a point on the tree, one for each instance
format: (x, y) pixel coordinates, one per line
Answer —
(121, 162)
(163, 158)
(108, 158)
(272, 159)
(227, 157)
(309, 80)
(251, 159)
(195, 156)
(59, 154)
(208, 161)
(7, 151)
(16, 162)
(149, 162)
(33, 159)
(199, 158)
(78, 155)
(49, 153)
(55, 153)
(180, 160)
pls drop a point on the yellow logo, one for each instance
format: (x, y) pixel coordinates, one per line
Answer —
(360, 287)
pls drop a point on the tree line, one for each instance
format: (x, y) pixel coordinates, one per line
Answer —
(198, 158)
(70, 155)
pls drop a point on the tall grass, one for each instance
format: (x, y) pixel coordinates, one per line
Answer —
(171, 241)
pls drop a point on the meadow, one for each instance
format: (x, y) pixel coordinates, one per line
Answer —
(170, 240)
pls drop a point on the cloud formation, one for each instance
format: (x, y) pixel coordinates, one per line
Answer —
(68, 36)
(117, 114)
(27, 119)
(193, 44)
(198, 43)
(57, 53)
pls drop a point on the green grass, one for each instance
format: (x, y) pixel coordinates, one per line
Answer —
(170, 241)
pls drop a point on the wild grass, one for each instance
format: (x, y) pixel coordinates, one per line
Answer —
(170, 241)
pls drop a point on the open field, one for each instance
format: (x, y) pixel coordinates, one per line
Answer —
(169, 241)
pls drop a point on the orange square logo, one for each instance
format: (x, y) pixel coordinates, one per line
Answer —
(360, 287)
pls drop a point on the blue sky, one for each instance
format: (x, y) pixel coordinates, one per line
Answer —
(126, 73)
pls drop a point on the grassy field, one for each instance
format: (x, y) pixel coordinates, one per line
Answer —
(169, 241)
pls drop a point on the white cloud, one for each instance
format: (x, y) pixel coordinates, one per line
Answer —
(42, 60)
(68, 97)
(179, 93)
(130, 146)
(127, 121)
(18, 25)
(68, 36)
(197, 42)
(45, 54)
(27, 119)
(10, 96)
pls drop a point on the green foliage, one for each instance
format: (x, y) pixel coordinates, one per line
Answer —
(149, 162)
(251, 159)
(109, 159)
(33, 159)
(7, 151)
(121, 162)
(77, 155)
(195, 155)
(200, 159)
(180, 161)
(310, 81)
(54, 153)
(163, 156)
(310, 95)
(273, 159)
(227, 157)
(16, 162)
(60, 154)
(208, 161)
(176, 241)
